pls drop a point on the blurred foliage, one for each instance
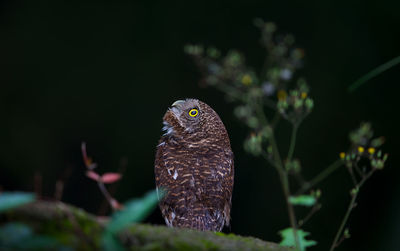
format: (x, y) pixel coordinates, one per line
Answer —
(270, 86)
(104, 72)
(16, 235)
(78, 230)
(288, 240)
(375, 72)
(365, 146)
(302, 200)
(19, 236)
(277, 88)
(133, 211)
(9, 200)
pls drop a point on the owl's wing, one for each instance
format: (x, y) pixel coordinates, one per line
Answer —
(160, 168)
(158, 163)
(164, 180)
(227, 183)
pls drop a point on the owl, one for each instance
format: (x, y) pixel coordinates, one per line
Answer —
(194, 164)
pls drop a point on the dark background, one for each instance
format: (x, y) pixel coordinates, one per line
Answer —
(105, 73)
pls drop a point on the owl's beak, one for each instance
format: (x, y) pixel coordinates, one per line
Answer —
(176, 108)
(178, 103)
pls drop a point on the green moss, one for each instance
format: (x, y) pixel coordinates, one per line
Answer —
(209, 245)
(220, 234)
(84, 232)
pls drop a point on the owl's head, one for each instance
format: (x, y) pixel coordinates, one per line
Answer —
(192, 118)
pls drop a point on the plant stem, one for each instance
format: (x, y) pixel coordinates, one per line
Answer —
(315, 208)
(259, 110)
(280, 168)
(275, 119)
(353, 178)
(355, 192)
(266, 157)
(285, 187)
(292, 217)
(346, 217)
(231, 91)
(292, 142)
(106, 194)
(275, 152)
(321, 176)
(361, 174)
(375, 72)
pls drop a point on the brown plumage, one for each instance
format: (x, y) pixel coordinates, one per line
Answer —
(194, 164)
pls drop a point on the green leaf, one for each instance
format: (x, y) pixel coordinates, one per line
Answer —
(20, 236)
(289, 241)
(302, 200)
(12, 233)
(40, 242)
(9, 200)
(134, 211)
(110, 243)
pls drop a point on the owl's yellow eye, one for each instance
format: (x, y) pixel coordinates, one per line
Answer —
(193, 113)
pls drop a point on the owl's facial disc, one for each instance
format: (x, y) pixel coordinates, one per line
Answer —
(183, 115)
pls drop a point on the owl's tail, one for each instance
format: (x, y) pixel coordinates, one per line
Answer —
(201, 220)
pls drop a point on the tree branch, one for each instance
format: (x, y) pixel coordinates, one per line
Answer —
(53, 219)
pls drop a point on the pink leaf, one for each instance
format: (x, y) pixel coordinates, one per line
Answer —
(93, 175)
(108, 178)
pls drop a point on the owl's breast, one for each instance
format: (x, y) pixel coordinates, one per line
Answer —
(194, 166)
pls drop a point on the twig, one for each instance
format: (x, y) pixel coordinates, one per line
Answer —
(375, 72)
(259, 110)
(267, 158)
(106, 194)
(283, 176)
(314, 209)
(353, 178)
(90, 166)
(321, 176)
(354, 193)
(275, 120)
(358, 170)
(292, 142)
(113, 188)
(60, 183)
(38, 183)
(231, 91)
(293, 222)
(285, 187)
(275, 151)
(59, 190)
(341, 240)
(299, 178)
(345, 218)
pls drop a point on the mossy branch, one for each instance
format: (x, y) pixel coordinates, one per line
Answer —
(73, 227)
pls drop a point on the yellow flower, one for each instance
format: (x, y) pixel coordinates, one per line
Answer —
(371, 150)
(304, 95)
(246, 79)
(342, 155)
(360, 149)
(282, 94)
